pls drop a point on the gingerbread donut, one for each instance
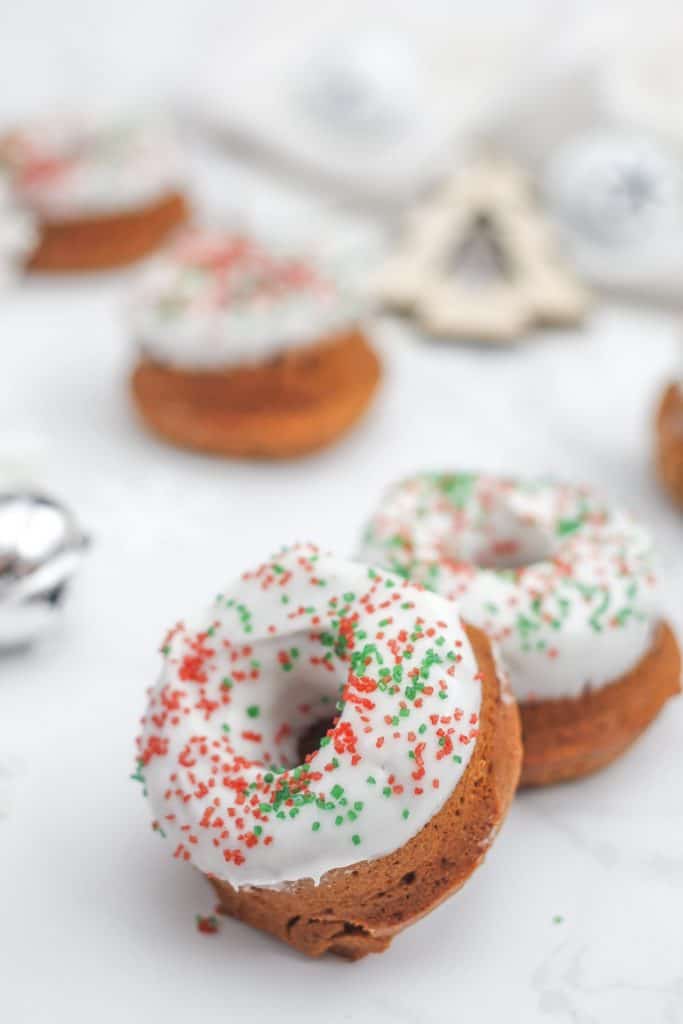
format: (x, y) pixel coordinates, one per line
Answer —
(670, 441)
(247, 352)
(104, 192)
(414, 763)
(18, 234)
(564, 586)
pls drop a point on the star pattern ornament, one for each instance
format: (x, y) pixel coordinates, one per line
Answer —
(479, 261)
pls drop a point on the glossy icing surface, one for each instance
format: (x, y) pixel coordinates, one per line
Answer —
(18, 234)
(306, 638)
(85, 165)
(559, 579)
(216, 300)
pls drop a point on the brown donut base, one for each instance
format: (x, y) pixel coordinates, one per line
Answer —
(292, 405)
(567, 739)
(107, 241)
(358, 910)
(670, 442)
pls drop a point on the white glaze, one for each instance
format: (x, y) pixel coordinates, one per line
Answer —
(216, 300)
(18, 234)
(562, 581)
(339, 626)
(84, 165)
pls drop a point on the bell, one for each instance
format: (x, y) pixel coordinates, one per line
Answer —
(41, 546)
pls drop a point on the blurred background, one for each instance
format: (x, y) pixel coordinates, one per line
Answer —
(370, 106)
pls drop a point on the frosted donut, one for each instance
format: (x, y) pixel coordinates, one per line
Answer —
(246, 350)
(105, 191)
(669, 429)
(17, 234)
(414, 714)
(563, 584)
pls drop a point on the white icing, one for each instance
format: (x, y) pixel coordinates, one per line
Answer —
(217, 300)
(18, 234)
(75, 166)
(227, 706)
(560, 580)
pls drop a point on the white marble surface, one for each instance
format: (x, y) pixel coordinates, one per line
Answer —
(577, 914)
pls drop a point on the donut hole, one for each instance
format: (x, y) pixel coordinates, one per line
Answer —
(290, 720)
(309, 739)
(509, 548)
(516, 552)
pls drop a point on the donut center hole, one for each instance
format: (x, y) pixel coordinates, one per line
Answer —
(515, 552)
(291, 724)
(309, 740)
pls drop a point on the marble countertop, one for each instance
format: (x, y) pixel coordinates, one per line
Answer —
(576, 914)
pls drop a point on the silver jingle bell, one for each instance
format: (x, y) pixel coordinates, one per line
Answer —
(41, 546)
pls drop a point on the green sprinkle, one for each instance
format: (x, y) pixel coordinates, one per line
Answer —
(355, 839)
(315, 826)
(253, 711)
(567, 526)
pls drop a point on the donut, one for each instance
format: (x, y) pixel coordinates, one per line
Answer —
(562, 583)
(670, 440)
(244, 351)
(332, 748)
(17, 234)
(105, 192)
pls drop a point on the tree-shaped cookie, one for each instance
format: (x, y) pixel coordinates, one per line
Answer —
(479, 261)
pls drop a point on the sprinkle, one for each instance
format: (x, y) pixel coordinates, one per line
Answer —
(224, 744)
(206, 925)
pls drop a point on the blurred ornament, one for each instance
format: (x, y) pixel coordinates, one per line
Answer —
(366, 90)
(618, 199)
(359, 114)
(615, 190)
(41, 546)
(18, 233)
(479, 263)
